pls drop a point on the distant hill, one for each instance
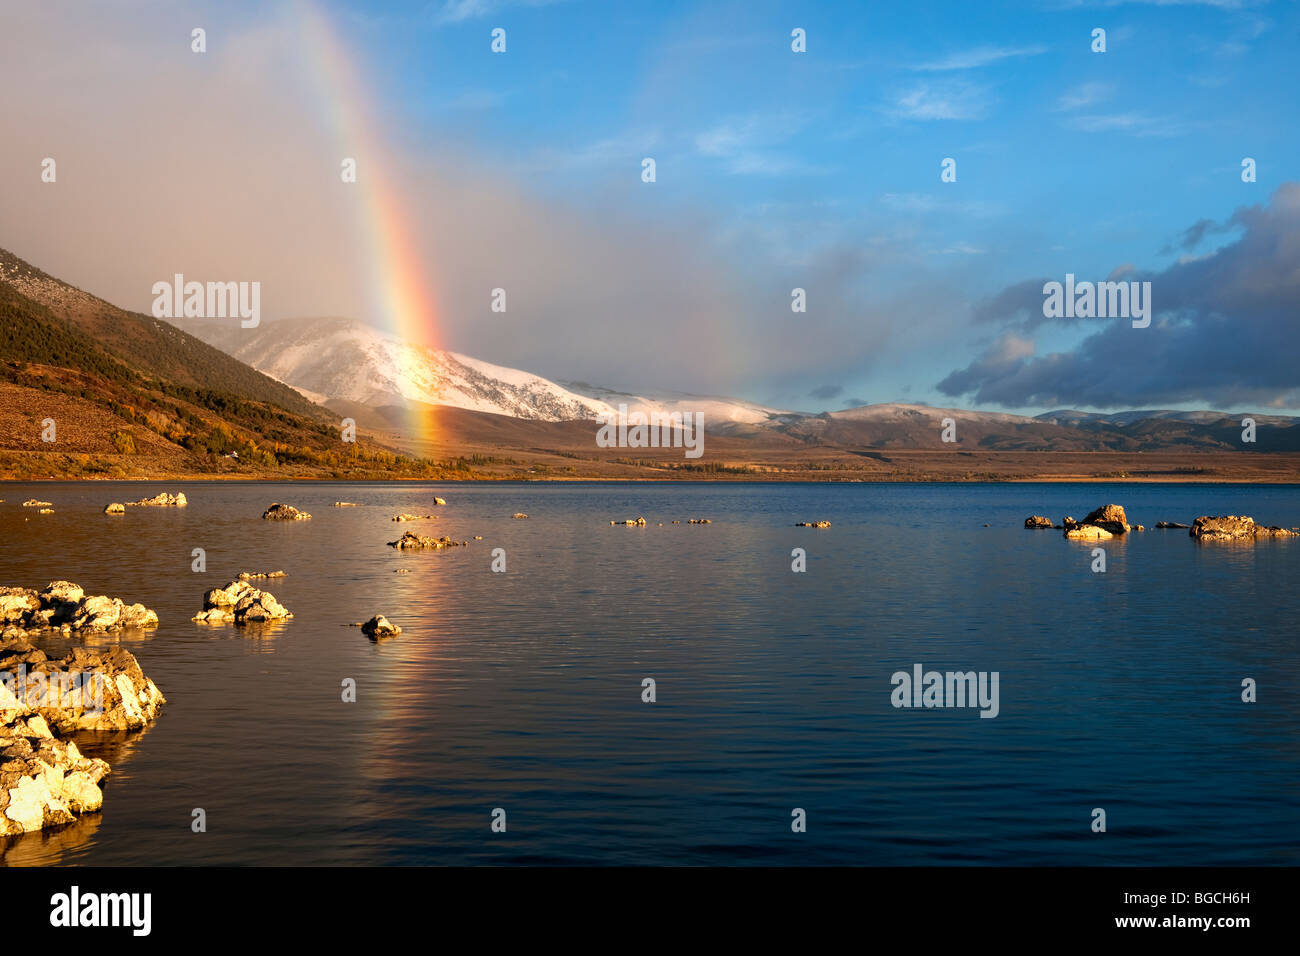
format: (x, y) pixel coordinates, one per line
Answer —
(130, 395)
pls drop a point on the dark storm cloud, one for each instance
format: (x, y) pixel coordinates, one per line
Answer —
(1226, 331)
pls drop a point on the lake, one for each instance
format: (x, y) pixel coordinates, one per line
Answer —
(522, 690)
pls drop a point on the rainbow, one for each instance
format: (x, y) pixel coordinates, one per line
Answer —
(398, 277)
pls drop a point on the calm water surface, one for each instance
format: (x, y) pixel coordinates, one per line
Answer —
(522, 690)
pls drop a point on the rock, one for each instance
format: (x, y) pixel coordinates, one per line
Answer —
(241, 603)
(378, 628)
(1234, 528)
(1090, 532)
(812, 524)
(631, 522)
(45, 511)
(1038, 521)
(402, 571)
(1110, 517)
(345, 504)
(279, 512)
(255, 575)
(519, 514)
(46, 781)
(700, 521)
(116, 508)
(161, 500)
(33, 503)
(410, 539)
(1171, 524)
(85, 690)
(406, 517)
(64, 604)
(478, 537)
(439, 501)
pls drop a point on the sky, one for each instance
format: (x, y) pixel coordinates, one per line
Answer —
(774, 170)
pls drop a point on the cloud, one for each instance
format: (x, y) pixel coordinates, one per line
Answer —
(1225, 331)
(1085, 94)
(1135, 124)
(826, 391)
(980, 56)
(458, 11)
(942, 101)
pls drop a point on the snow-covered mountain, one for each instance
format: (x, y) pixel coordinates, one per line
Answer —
(345, 360)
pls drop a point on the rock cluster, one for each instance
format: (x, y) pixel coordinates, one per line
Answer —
(379, 627)
(279, 512)
(33, 503)
(161, 500)
(812, 524)
(1038, 521)
(255, 575)
(1234, 528)
(85, 690)
(66, 605)
(46, 781)
(241, 603)
(630, 521)
(410, 539)
(700, 521)
(1106, 522)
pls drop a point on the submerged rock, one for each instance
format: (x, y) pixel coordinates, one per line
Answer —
(1171, 524)
(279, 512)
(1235, 528)
(410, 539)
(241, 603)
(116, 508)
(631, 522)
(407, 517)
(255, 575)
(345, 504)
(1038, 521)
(379, 627)
(161, 500)
(812, 524)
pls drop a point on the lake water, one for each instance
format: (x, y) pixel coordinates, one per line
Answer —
(523, 690)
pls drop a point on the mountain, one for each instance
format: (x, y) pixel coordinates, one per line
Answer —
(87, 388)
(340, 362)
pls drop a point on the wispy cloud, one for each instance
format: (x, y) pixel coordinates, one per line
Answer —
(943, 101)
(458, 11)
(980, 56)
(1135, 124)
(1085, 94)
(744, 143)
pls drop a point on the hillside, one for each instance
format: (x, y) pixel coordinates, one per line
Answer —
(117, 412)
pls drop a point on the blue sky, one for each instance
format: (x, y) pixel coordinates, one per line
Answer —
(775, 169)
(1067, 160)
